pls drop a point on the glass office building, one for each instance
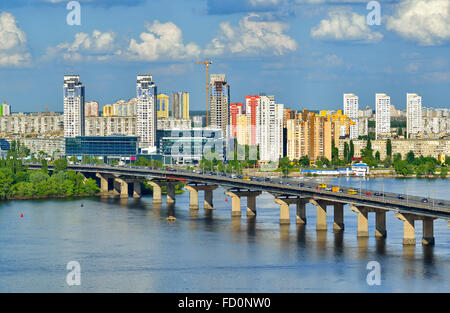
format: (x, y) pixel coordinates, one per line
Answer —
(189, 146)
(4, 148)
(111, 146)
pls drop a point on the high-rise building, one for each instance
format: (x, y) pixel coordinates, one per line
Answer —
(236, 109)
(351, 107)
(252, 107)
(219, 95)
(242, 130)
(91, 109)
(312, 135)
(414, 121)
(163, 106)
(73, 106)
(180, 105)
(265, 126)
(5, 109)
(382, 115)
(146, 110)
(176, 102)
(185, 106)
(108, 110)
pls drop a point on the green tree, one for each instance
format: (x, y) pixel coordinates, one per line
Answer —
(60, 165)
(351, 152)
(389, 147)
(410, 157)
(44, 166)
(346, 152)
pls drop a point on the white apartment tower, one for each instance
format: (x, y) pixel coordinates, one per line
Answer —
(351, 107)
(265, 126)
(219, 99)
(414, 124)
(382, 115)
(73, 106)
(146, 111)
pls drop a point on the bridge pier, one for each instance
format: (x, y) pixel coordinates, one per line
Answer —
(301, 211)
(104, 189)
(338, 224)
(363, 222)
(235, 203)
(428, 231)
(251, 203)
(123, 188)
(284, 210)
(409, 236)
(193, 197)
(170, 193)
(321, 220)
(137, 190)
(380, 223)
(157, 199)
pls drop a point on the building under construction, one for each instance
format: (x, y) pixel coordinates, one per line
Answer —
(219, 98)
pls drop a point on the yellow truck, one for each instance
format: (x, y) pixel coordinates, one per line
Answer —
(352, 192)
(323, 186)
(335, 189)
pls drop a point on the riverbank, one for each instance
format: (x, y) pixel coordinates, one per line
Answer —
(373, 174)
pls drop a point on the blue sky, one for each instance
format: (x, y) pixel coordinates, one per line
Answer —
(305, 52)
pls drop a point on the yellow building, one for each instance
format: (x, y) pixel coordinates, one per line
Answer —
(163, 106)
(108, 110)
(185, 105)
(242, 129)
(311, 135)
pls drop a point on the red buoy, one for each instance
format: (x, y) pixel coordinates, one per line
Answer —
(226, 199)
(21, 215)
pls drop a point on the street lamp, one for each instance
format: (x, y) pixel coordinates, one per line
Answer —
(360, 186)
(383, 191)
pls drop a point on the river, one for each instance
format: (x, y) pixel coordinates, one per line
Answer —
(127, 246)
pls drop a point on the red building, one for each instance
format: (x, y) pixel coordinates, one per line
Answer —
(236, 109)
(252, 104)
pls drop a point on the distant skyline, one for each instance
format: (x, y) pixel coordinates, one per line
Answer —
(306, 53)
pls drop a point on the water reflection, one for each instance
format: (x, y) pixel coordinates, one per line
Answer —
(338, 243)
(301, 235)
(380, 245)
(321, 241)
(284, 234)
(363, 243)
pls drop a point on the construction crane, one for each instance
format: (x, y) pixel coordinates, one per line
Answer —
(207, 63)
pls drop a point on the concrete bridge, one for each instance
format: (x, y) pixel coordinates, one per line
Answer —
(408, 210)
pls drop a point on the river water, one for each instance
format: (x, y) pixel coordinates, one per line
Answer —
(127, 246)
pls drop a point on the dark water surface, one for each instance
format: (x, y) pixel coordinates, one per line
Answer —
(127, 246)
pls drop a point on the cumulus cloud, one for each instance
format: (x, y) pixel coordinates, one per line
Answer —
(161, 41)
(98, 46)
(252, 36)
(12, 42)
(424, 21)
(343, 25)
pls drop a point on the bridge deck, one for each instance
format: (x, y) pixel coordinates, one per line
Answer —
(411, 204)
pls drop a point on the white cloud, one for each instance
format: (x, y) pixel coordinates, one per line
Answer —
(345, 25)
(162, 41)
(425, 21)
(252, 37)
(98, 46)
(12, 42)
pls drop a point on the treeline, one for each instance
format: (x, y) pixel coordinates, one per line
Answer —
(17, 181)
